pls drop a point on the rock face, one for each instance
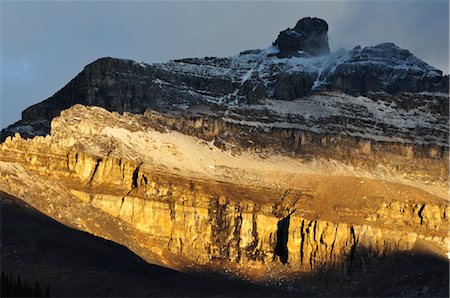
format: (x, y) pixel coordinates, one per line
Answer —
(296, 66)
(253, 165)
(391, 69)
(308, 36)
(215, 208)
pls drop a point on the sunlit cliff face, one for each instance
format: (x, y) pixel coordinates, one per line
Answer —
(270, 165)
(194, 192)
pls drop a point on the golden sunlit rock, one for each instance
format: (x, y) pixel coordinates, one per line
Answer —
(263, 213)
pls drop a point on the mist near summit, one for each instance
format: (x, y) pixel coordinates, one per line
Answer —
(43, 44)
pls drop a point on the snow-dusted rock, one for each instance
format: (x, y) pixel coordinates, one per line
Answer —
(309, 36)
(384, 73)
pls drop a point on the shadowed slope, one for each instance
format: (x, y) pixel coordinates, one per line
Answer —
(76, 263)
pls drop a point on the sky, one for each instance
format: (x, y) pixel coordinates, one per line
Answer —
(45, 44)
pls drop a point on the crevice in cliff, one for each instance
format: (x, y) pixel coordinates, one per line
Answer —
(144, 178)
(420, 214)
(334, 241)
(302, 241)
(281, 249)
(312, 243)
(120, 208)
(123, 201)
(352, 250)
(135, 176)
(68, 160)
(95, 170)
(237, 231)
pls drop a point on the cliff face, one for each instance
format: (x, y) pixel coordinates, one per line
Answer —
(298, 64)
(176, 201)
(268, 165)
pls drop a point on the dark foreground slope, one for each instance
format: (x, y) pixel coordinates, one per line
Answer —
(75, 263)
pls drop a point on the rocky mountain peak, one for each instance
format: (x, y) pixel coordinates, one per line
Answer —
(309, 36)
(297, 65)
(268, 166)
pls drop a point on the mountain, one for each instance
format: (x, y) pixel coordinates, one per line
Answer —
(297, 65)
(312, 172)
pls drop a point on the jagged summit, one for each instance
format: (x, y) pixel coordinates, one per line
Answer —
(308, 36)
(296, 65)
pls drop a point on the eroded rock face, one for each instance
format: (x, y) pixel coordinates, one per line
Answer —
(309, 36)
(369, 68)
(204, 226)
(296, 66)
(246, 164)
(223, 213)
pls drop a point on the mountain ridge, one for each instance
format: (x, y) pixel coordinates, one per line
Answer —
(273, 165)
(284, 71)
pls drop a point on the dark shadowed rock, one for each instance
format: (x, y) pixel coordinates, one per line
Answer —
(309, 35)
(78, 264)
(298, 64)
(385, 67)
(290, 86)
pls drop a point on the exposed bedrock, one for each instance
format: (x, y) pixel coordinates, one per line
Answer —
(253, 231)
(309, 36)
(126, 86)
(396, 157)
(297, 65)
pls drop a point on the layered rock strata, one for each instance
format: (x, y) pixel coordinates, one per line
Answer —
(219, 213)
(298, 64)
(270, 164)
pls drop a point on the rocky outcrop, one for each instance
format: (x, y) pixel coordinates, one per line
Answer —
(358, 152)
(247, 165)
(308, 36)
(208, 225)
(297, 65)
(187, 221)
(385, 67)
(85, 128)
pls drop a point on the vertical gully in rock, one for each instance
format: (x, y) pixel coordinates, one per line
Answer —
(281, 249)
(95, 168)
(135, 176)
(353, 250)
